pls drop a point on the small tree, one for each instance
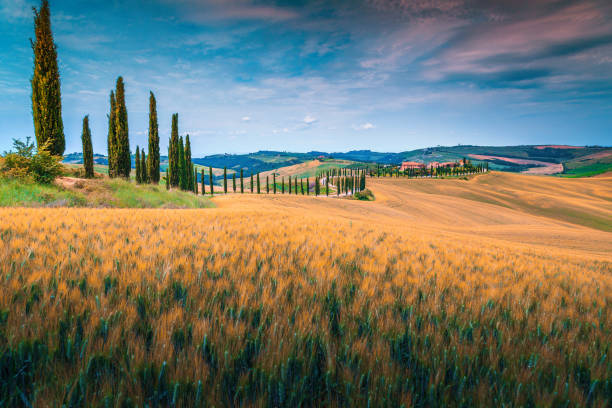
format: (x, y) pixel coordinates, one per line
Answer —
(144, 174)
(307, 186)
(88, 164)
(234, 181)
(224, 180)
(258, 185)
(137, 162)
(210, 178)
(283, 185)
(289, 185)
(274, 181)
(203, 185)
(241, 181)
(251, 183)
(267, 184)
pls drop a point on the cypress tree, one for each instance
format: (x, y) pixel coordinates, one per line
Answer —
(153, 158)
(181, 162)
(267, 184)
(241, 181)
(112, 142)
(188, 165)
(302, 185)
(289, 185)
(144, 174)
(327, 186)
(258, 186)
(283, 185)
(46, 93)
(295, 185)
(173, 153)
(251, 183)
(234, 181)
(307, 186)
(274, 181)
(137, 162)
(123, 156)
(195, 181)
(87, 149)
(225, 180)
(203, 185)
(210, 177)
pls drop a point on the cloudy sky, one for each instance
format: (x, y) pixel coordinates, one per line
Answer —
(332, 75)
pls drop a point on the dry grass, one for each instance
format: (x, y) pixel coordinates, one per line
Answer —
(287, 301)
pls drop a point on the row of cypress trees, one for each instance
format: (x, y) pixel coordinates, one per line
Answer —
(181, 173)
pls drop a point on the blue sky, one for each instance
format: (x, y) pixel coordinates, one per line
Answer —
(386, 75)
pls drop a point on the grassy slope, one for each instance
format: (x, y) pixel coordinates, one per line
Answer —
(116, 193)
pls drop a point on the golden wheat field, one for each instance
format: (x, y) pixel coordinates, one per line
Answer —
(484, 292)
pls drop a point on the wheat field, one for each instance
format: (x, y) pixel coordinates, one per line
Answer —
(439, 293)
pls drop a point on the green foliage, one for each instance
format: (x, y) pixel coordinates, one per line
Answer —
(144, 174)
(88, 163)
(46, 93)
(137, 162)
(364, 195)
(173, 154)
(122, 146)
(188, 166)
(153, 159)
(40, 167)
(112, 140)
(23, 192)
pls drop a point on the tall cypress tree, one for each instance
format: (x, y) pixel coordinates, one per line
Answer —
(241, 181)
(182, 165)
(137, 161)
(295, 190)
(267, 184)
(112, 142)
(188, 165)
(173, 153)
(274, 181)
(225, 180)
(283, 185)
(307, 186)
(203, 185)
(153, 158)
(87, 149)
(258, 186)
(46, 94)
(251, 183)
(234, 181)
(195, 181)
(289, 185)
(210, 178)
(144, 174)
(124, 159)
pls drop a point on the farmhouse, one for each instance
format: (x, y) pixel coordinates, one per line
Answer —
(411, 165)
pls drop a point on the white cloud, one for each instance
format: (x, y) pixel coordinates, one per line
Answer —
(364, 126)
(246, 118)
(309, 119)
(15, 9)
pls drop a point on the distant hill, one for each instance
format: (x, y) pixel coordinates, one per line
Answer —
(503, 158)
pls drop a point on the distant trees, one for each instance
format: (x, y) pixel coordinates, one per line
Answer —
(137, 161)
(87, 149)
(46, 94)
(153, 161)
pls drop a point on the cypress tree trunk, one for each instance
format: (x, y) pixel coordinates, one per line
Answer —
(137, 162)
(241, 181)
(258, 186)
(153, 158)
(210, 176)
(173, 153)
(87, 149)
(144, 174)
(124, 159)
(225, 180)
(46, 93)
(112, 141)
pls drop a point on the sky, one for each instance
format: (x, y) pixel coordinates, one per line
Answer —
(327, 75)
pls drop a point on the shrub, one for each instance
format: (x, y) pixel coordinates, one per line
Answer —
(365, 195)
(42, 167)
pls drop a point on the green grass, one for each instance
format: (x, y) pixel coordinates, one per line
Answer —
(114, 193)
(587, 171)
(15, 193)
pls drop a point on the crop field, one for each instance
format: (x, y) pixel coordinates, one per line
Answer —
(432, 295)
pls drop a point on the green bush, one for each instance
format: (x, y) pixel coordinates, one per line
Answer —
(365, 195)
(41, 167)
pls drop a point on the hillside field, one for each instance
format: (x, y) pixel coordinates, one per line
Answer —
(489, 291)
